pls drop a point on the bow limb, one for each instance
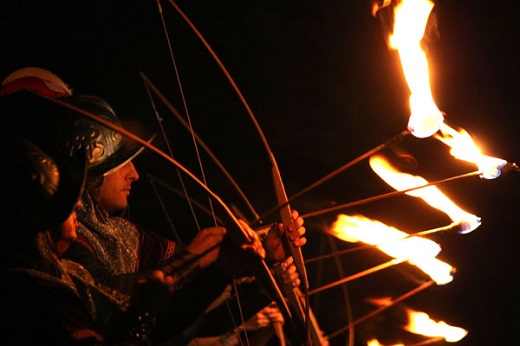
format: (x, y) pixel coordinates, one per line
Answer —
(178, 116)
(298, 300)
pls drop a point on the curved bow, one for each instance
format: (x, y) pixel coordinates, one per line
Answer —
(299, 301)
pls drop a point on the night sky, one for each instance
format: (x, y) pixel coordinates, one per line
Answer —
(325, 89)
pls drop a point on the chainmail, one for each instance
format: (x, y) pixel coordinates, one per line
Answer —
(37, 260)
(44, 264)
(114, 240)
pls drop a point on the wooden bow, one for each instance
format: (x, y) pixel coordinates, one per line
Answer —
(298, 300)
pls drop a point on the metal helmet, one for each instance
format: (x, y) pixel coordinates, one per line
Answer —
(106, 149)
(46, 190)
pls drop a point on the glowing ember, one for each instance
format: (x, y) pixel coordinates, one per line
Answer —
(430, 194)
(411, 17)
(421, 323)
(420, 252)
(463, 148)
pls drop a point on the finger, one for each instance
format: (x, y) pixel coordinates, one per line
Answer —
(286, 263)
(169, 281)
(252, 236)
(296, 226)
(262, 320)
(277, 318)
(291, 276)
(300, 242)
(296, 234)
(281, 228)
(259, 250)
(292, 281)
(214, 231)
(297, 221)
(156, 275)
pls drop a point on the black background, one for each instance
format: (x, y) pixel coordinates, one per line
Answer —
(325, 90)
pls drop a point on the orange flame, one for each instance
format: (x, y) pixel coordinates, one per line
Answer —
(374, 342)
(411, 17)
(421, 323)
(417, 251)
(464, 148)
(431, 194)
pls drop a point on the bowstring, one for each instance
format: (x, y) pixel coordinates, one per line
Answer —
(170, 152)
(193, 136)
(186, 110)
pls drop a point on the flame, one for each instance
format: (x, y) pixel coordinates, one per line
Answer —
(411, 17)
(421, 323)
(375, 342)
(440, 272)
(430, 194)
(417, 251)
(464, 148)
(410, 20)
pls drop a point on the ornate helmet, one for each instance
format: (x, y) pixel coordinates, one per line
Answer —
(106, 149)
(46, 190)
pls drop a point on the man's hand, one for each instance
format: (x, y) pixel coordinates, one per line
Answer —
(290, 274)
(268, 315)
(255, 244)
(273, 243)
(204, 240)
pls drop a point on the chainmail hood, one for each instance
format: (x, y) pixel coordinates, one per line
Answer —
(114, 240)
